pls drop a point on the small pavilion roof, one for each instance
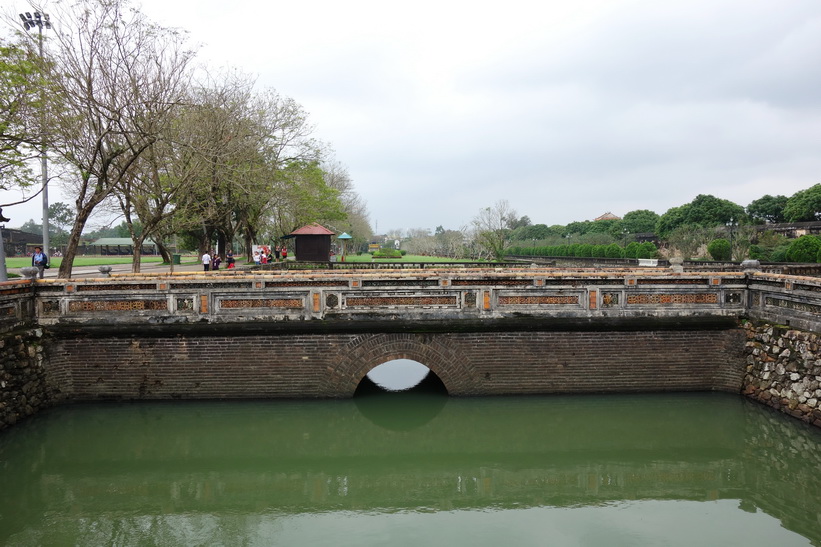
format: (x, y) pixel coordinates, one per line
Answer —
(314, 229)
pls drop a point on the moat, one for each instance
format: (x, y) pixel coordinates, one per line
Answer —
(414, 469)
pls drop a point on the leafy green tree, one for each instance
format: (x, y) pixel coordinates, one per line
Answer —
(23, 97)
(640, 221)
(804, 249)
(538, 232)
(719, 249)
(606, 226)
(768, 208)
(578, 227)
(705, 211)
(804, 205)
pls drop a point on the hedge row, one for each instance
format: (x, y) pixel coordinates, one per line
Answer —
(614, 250)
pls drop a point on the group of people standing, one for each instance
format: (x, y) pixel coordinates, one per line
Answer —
(267, 256)
(211, 261)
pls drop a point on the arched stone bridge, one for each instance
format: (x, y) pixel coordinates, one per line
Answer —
(317, 334)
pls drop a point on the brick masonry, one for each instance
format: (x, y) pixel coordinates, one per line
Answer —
(332, 365)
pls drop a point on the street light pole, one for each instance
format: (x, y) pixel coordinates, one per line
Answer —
(731, 225)
(41, 20)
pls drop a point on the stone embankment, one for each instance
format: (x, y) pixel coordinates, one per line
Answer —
(23, 386)
(784, 370)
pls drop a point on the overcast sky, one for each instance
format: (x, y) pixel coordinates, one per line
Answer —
(565, 109)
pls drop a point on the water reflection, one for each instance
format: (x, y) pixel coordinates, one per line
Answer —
(583, 471)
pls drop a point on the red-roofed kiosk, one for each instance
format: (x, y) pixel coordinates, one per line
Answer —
(312, 243)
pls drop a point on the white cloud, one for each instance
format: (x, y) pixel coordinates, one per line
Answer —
(565, 109)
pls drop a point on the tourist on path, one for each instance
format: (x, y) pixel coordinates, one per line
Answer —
(206, 261)
(39, 260)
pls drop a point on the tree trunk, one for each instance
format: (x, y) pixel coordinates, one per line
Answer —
(137, 255)
(73, 242)
(165, 253)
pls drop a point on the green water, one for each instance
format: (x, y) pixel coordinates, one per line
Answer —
(404, 470)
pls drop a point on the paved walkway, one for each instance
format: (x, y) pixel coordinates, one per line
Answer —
(146, 267)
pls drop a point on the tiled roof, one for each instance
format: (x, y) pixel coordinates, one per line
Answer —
(312, 230)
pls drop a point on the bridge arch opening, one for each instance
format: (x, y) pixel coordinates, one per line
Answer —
(401, 375)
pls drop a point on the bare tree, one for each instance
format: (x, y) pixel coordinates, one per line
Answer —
(491, 228)
(120, 79)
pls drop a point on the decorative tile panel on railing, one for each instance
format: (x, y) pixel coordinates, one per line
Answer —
(500, 281)
(50, 307)
(792, 305)
(117, 287)
(117, 305)
(415, 301)
(671, 281)
(679, 298)
(291, 284)
(539, 300)
(292, 303)
(7, 312)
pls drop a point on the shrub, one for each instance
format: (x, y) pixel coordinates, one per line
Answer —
(646, 250)
(804, 249)
(720, 249)
(584, 250)
(599, 251)
(387, 253)
(614, 251)
(632, 250)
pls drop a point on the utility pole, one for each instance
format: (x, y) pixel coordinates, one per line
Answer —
(41, 20)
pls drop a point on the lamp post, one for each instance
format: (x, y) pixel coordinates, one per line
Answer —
(41, 20)
(730, 226)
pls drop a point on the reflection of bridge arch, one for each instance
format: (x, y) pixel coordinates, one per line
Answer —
(436, 352)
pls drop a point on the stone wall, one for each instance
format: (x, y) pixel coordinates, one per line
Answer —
(784, 370)
(332, 365)
(23, 388)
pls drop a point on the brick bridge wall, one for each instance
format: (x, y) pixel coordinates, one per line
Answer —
(527, 331)
(332, 365)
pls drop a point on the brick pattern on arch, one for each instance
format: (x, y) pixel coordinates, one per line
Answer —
(437, 352)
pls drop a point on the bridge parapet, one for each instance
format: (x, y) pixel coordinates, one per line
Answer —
(333, 299)
(404, 295)
(786, 299)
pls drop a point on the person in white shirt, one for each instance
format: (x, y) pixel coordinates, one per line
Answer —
(206, 261)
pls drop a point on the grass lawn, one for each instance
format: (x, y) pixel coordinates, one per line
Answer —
(366, 257)
(23, 261)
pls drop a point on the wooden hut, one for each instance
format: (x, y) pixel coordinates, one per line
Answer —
(312, 243)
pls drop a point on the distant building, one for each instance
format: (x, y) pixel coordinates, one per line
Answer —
(20, 243)
(119, 246)
(607, 216)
